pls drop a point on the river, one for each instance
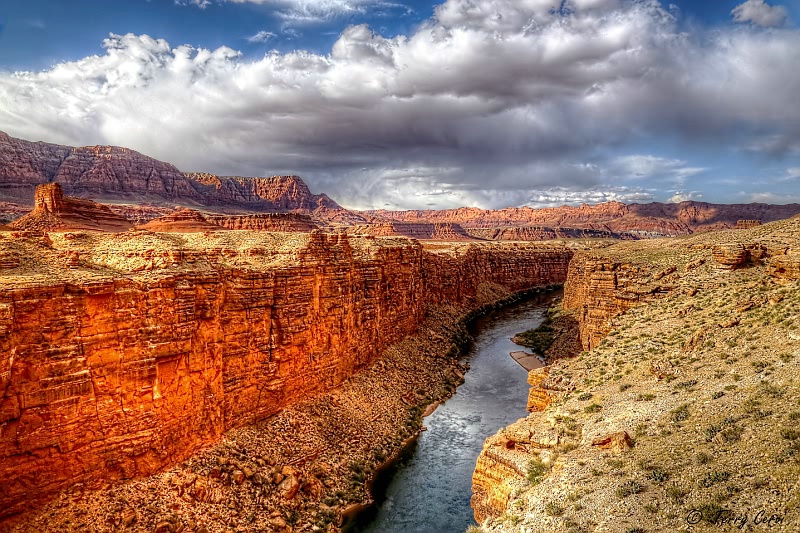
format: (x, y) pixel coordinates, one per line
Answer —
(429, 488)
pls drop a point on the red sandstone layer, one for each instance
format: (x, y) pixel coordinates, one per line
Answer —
(423, 231)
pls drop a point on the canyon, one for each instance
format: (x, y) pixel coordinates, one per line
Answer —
(192, 352)
(125, 353)
(681, 400)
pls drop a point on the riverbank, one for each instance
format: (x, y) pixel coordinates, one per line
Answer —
(430, 487)
(319, 454)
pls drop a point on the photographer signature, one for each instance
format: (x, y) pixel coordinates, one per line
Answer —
(727, 517)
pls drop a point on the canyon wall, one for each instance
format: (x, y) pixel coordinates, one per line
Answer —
(434, 232)
(642, 220)
(111, 173)
(655, 375)
(152, 346)
(599, 288)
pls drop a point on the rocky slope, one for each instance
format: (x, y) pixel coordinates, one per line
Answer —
(54, 211)
(683, 406)
(123, 354)
(644, 220)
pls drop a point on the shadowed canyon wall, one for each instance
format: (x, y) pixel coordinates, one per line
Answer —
(112, 373)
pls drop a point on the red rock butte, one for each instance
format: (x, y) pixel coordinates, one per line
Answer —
(54, 211)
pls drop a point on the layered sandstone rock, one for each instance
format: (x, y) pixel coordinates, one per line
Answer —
(139, 214)
(153, 345)
(730, 255)
(181, 221)
(54, 211)
(430, 232)
(291, 222)
(111, 173)
(599, 289)
(504, 465)
(785, 266)
(747, 224)
(542, 233)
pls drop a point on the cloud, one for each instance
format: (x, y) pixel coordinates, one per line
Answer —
(792, 173)
(487, 104)
(685, 196)
(202, 4)
(650, 166)
(261, 37)
(760, 13)
(771, 198)
(298, 12)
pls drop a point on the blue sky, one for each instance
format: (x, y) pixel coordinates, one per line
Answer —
(37, 34)
(408, 104)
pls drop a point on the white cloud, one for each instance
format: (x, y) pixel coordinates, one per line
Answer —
(309, 11)
(555, 197)
(771, 198)
(488, 103)
(685, 196)
(792, 173)
(760, 13)
(261, 37)
(202, 4)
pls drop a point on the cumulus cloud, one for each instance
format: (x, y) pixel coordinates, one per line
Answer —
(685, 196)
(488, 103)
(760, 13)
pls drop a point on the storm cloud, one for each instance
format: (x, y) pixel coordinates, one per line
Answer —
(490, 103)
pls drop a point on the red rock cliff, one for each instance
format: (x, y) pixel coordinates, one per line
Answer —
(599, 288)
(112, 374)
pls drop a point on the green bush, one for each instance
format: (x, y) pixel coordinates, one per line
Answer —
(536, 471)
(629, 488)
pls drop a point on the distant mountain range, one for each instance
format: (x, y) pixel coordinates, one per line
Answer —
(117, 176)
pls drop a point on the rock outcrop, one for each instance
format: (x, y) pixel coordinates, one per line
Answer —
(181, 221)
(291, 222)
(747, 224)
(189, 220)
(730, 255)
(54, 211)
(541, 233)
(151, 346)
(599, 289)
(423, 231)
(785, 266)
